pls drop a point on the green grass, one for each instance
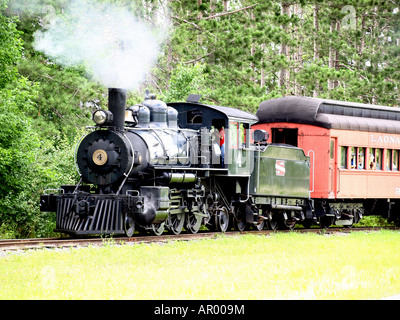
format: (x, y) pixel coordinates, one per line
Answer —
(279, 266)
(374, 221)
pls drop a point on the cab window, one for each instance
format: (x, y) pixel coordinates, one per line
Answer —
(238, 135)
(243, 135)
(233, 135)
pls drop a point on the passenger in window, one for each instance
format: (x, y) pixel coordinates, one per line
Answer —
(353, 166)
(216, 149)
(372, 164)
(353, 160)
(221, 135)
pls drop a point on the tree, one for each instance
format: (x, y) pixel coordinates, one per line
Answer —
(10, 49)
(17, 139)
(29, 161)
(185, 80)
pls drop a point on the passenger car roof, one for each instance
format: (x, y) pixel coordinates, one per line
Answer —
(330, 114)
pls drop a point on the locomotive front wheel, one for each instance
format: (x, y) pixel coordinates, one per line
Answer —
(222, 219)
(157, 229)
(176, 222)
(129, 225)
(193, 223)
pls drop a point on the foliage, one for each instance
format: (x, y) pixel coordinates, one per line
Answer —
(374, 221)
(10, 49)
(17, 144)
(28, 163)
(256, 50)
(66, 101)
(184, 81)
(17, 139)
(30, 159)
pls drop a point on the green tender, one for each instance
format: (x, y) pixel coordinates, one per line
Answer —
(281, 170)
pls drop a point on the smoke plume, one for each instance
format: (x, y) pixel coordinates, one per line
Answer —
(116, 48)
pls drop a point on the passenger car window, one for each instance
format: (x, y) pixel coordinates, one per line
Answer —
(375, 159)
(395, 165)
(343, 157)
(379, 153)
(353, 159)
(361, 158)
(388, 160)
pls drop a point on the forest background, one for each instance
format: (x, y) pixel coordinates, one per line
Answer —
(234, 53)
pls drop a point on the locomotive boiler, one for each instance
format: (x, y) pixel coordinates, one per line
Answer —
(153, 166)
(107, 158)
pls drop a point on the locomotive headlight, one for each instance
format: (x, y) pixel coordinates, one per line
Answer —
(102, 117)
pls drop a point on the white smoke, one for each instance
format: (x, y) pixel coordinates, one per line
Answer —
(116, 49)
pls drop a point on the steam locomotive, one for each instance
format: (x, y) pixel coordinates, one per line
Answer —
(156, 166)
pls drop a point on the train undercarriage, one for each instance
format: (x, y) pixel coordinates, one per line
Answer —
(339, 213)
(155, 209)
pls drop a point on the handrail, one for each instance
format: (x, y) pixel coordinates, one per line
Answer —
(313, 170)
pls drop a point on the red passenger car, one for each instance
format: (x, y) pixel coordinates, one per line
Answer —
(354, 150)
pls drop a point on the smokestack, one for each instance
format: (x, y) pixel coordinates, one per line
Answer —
(117, 105)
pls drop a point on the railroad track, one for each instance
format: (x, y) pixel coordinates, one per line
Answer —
(38, 243)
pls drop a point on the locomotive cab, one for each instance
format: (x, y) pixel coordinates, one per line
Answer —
(236, 124)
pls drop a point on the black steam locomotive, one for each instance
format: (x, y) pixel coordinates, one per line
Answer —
(153, 166)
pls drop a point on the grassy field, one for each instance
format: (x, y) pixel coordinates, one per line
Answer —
(278, 266)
